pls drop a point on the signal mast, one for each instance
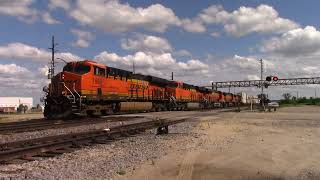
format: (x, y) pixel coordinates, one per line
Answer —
(52, 62)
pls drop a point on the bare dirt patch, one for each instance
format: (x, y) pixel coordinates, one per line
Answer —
(281, 145)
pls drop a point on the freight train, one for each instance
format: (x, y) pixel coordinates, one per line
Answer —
(89, 88)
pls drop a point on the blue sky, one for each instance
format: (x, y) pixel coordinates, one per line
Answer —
(201, 41)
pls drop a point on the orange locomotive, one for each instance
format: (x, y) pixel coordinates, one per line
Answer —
(90, 88)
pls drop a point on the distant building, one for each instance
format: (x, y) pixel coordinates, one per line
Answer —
(10, 104)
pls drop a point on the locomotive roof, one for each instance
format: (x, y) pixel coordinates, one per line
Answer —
(153, 79)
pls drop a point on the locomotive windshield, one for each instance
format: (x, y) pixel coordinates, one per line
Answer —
(79, 68)
(68, 68)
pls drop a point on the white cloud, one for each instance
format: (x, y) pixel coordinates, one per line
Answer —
(64, 4)
(146, 43)
(22, 10)
(20, 51)
(19, 8)
(47, 18)
(297, 42)
(156, 64)
(44, 70)
(22, 81)
(215, 34)
(193, 25)
(112, 16)
(253, 77)
(12, 69)
(243, 21)
(84, 38)
(182, 53)
(214, 14)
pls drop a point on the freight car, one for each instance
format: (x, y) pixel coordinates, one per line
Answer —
(90, 88)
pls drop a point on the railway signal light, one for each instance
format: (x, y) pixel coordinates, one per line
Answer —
(268, 78)
(272, 78)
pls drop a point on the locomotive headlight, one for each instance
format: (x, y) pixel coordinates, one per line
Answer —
(45, 89)
(62, 76)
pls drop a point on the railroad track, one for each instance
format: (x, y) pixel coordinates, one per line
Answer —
(41, 124)
(29, 150)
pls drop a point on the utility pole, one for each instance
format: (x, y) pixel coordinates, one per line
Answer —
(261, 83)
(172, 76)
(133, 67)
(52, 63)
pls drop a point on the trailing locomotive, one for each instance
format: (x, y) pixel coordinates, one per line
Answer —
(90, 88)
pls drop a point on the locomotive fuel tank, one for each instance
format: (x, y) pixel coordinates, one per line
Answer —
(228, 98)
(191, 106)
(135, 106)
(215, 96)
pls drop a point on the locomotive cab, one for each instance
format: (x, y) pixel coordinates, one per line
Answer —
(65, 90)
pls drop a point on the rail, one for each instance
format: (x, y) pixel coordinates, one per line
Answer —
(31, 149)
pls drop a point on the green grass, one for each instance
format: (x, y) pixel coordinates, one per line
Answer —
(290, 105)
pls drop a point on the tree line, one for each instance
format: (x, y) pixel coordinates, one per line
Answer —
(289, 99)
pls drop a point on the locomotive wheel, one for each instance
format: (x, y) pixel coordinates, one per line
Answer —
(61, 108)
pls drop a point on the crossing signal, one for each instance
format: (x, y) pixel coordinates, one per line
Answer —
(272, 78)
(268, 78)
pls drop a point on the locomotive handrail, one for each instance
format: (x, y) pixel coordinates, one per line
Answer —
(74, 88)
(74, 98)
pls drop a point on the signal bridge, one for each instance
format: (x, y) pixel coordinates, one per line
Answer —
(266, 83)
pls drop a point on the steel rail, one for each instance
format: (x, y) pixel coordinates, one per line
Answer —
(27, 149)
(42, 125)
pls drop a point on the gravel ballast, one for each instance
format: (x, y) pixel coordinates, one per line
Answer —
(5, 138)
(105, 161)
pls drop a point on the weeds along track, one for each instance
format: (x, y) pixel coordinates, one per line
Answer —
(33, 149)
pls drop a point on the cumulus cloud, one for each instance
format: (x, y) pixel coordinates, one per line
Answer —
(182, 52)
(20, 51)
(156, 64)
(18, 77)
(64, 4)
(12, 69)
(146, 43)
(215, 34)
(47, 18)
(243, 21)
(296, 42)
(22, 10)
(248, 67)
(19, 8)
(193, 25)
(113, 16)
(84, 38)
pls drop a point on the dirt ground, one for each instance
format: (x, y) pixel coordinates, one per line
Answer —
(5, 118)
(247, 145)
